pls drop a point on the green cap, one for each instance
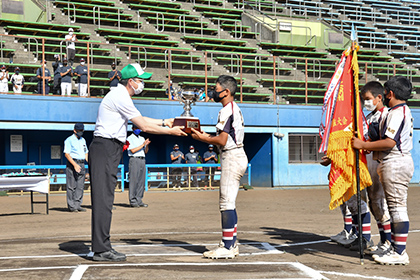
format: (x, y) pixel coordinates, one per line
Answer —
(134, 70)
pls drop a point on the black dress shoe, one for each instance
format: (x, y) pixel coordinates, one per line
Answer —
(81, 209)
(73, 210)
(135, 205)
(109, 256)
(143, 205)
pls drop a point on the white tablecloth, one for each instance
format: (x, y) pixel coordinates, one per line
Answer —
(36, 183)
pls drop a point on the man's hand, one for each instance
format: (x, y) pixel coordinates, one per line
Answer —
(177, 131)
(325, 161)
(147, 142)
(357, 143)
(77, 168)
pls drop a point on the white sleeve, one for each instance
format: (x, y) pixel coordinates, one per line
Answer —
(394, 124)
(126, 108)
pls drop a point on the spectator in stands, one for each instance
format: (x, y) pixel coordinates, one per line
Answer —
(17, 81)
(81, 72)
(76, 152)
(192, 158)
(114, 76)
(176, 158)
(57, 77)
(210, 157)
(71, 47)
(66, 73)
(47, 79)
(4, 80)
(170, 92)
(137, 151)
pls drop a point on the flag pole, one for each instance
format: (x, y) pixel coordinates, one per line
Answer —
(359, 202)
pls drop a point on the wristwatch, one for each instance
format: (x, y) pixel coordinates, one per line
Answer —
(163, 122)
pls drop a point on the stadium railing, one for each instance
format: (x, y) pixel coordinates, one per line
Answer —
(160, 176)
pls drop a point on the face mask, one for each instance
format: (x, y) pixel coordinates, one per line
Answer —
(17, 72)
(70, 33)
(369, 105)
(65, 63)
(139, 88)
(79, 134)
(82, 63)
(176, 149)
(192, 151)
(216, 97)
(386, 101)
(3, 70)
(211, 149)
(136, 131)
(113, 67)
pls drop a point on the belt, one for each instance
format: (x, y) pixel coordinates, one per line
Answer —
(111, 139)
(232, 149)
(79, 160)
(137, 157)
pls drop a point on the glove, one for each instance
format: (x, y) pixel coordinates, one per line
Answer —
(126, 145)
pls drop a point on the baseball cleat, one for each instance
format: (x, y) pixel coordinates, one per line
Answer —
(393, 258)
(379, 250)
(221, 252)
(365, 244)
(342, 235)
(347, 240)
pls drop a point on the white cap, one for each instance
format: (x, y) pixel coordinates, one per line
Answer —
(71, 29)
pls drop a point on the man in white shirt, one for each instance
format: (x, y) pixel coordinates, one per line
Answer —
(106, 150)
(4, 80)
(17, 81)
(137, 151)
(71, 47)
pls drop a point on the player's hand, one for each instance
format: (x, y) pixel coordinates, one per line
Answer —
(169, 122)
(147, 142)
(77, 168)
(199, 135)
(325, 161)
(357, 143)
(177, 131)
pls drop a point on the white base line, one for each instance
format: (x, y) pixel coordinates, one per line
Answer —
(358, 276)
(78, 272)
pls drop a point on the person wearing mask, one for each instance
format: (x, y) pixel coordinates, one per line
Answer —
(46, 78)
(192, 158)
(176, 158)
(66, 73)
(17, 81)
(76, 152)
(106, 150)
(114, 76)
(71, 47)
(210, 157)
(137, 151)
(4, 80)
(81, 72)
(57, 77)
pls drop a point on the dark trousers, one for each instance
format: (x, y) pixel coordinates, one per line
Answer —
(47, 88)
(75, 183)
(104, 157)
(137, 178)
(57, 86)
(193, 175)
(71, 53)
(176, 172)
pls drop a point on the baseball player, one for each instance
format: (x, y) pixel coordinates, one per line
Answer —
(81, 72)
(396, 166)
(4, 79)
(230, 136)
(17, 81)
(372, 94)
(66, 72)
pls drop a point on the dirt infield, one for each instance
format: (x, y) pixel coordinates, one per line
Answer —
(284, 234)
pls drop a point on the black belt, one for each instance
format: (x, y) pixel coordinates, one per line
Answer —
(137, 157)
(79, 160)
(112, 139)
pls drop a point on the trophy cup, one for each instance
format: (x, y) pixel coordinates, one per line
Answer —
(187, 120)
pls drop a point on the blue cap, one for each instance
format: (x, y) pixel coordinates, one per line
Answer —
(211, 146)
(79, 126)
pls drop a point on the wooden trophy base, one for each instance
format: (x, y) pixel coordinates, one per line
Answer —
(187, 123)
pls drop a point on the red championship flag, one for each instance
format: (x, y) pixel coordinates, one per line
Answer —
(343, 179)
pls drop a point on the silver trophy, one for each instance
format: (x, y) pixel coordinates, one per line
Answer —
(187, 120)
